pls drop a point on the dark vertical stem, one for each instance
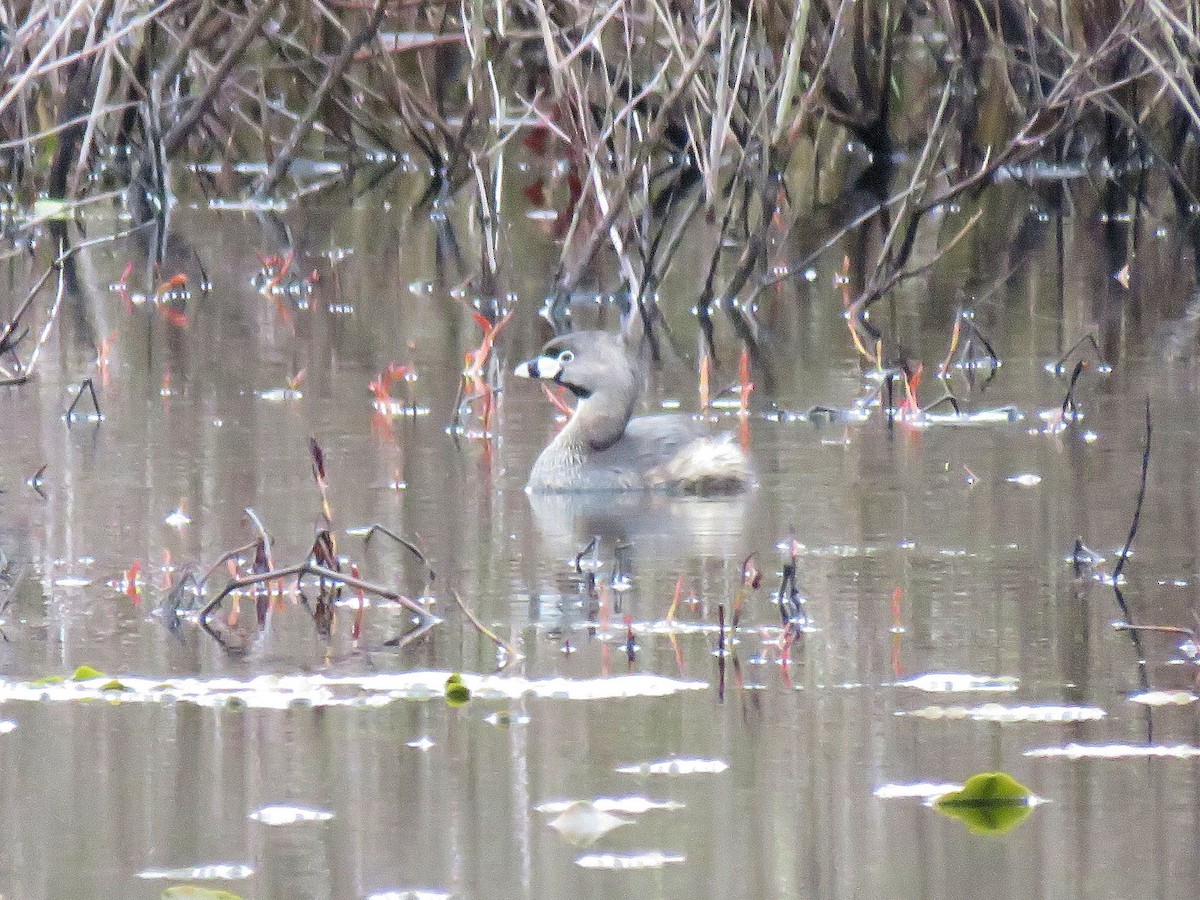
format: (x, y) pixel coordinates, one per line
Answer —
(1137, 510)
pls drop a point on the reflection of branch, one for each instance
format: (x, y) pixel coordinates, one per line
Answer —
(27, 371)
(333, 73)
(1134, 634)
(399, 643)
(1061, 363)
(1069, 404)
(899, 242)
(7, 342)
(873, 292)
(1137, 510)
(216, 79)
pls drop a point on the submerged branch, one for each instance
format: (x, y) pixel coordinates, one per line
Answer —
(301, 570)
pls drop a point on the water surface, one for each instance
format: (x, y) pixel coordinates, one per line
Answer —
(917, 553)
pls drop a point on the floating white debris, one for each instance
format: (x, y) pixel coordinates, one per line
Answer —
(922, 790)
(955, 682)
(1164, 698)
(211, 872)
(92, 417)
(631, 805)
(247, 205)
(279, 395)
(1026, 479)
(1116, 751)
(72, 581)
(676, 767)
(669, 626)
(651, 859)
(289, 815)
(542, 215)
(397, 408)
(425, 742)
(8, 726)
(997, 712)
(1000, 414)
(583, 823)
(411, 894)
(177, 519)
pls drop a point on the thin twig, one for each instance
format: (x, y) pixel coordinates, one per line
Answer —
(416, 551)
(511, 652)
(236, 553)
(37, 480)
(91, 389)
(306, 568)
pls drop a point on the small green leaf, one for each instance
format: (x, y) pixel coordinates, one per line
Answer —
(86, 673)
(988, 787)
(457, 693)
(113, 685)
(989, 803)
(49, 679)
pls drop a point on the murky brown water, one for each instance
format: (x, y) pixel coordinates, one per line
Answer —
(94, 792)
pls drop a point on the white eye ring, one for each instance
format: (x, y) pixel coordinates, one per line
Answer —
(565, 357)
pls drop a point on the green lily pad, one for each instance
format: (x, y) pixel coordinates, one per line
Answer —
(989, 803)
(86, 673)
(457, 693)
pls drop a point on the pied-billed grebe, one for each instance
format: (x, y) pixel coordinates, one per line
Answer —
(602, 449)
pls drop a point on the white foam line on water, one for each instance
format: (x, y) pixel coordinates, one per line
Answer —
(283, 691)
